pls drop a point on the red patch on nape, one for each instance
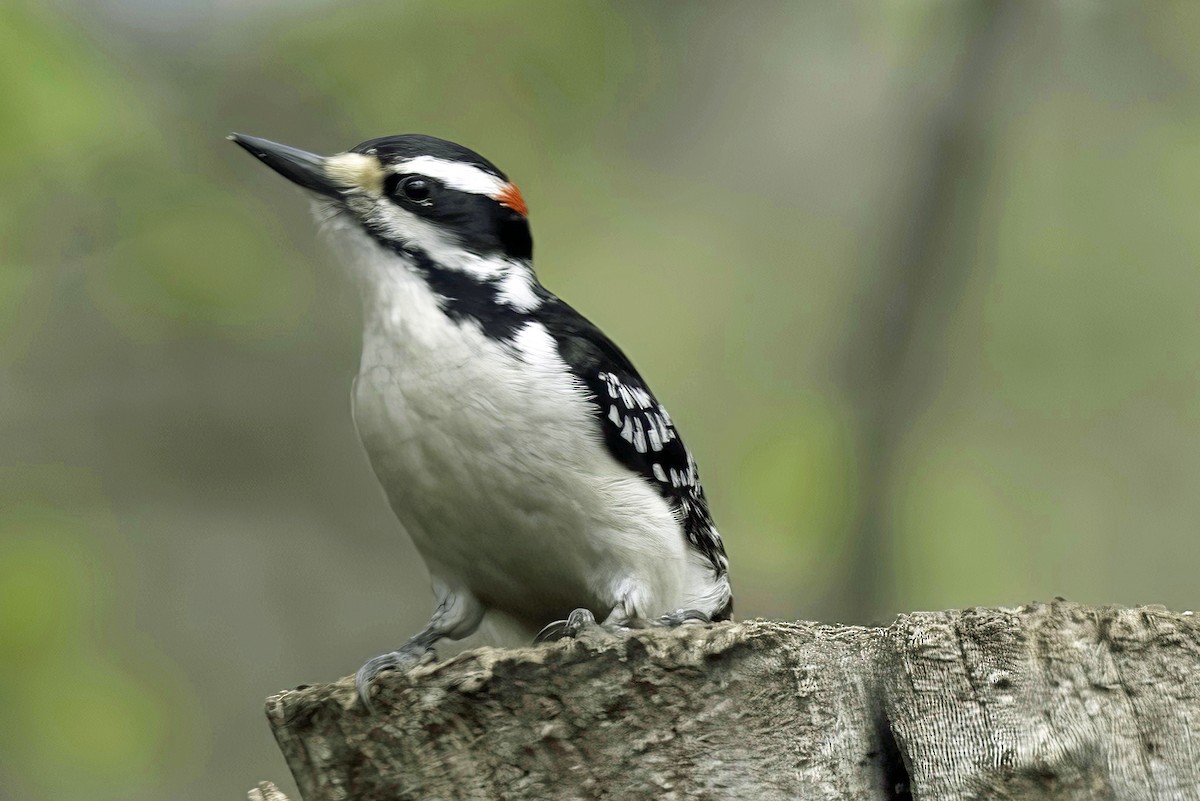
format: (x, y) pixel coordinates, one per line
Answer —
(510, 197)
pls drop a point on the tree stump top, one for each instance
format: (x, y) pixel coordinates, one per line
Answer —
(1046, 701)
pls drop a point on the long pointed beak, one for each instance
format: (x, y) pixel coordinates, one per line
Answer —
(299, 166)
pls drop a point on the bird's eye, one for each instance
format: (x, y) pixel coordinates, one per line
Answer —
(416, 189)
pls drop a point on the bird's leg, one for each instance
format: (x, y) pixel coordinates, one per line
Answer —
(456, 615)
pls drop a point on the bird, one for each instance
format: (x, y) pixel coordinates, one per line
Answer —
(540, 479)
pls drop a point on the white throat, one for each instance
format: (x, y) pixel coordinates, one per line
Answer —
(380, 271)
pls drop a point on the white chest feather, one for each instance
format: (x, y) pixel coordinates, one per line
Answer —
(489, 457)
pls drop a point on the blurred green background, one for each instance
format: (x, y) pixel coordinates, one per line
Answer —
(918, 280)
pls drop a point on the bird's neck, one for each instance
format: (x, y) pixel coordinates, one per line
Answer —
(404, 288)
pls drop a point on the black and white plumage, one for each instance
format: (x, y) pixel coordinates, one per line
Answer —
(533, 467)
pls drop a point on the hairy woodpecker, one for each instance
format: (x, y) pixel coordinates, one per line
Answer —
(538, 476)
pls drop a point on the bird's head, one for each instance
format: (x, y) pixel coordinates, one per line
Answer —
(413, 194)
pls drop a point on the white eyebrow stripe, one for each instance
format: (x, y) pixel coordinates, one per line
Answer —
(454, 174)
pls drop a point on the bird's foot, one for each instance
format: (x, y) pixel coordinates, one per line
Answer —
(408, 657)
(579, 621)
(680, 617)
(582, 620)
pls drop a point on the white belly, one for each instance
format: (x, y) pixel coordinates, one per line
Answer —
(498, 473)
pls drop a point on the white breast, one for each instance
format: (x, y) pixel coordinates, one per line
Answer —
(490, 458)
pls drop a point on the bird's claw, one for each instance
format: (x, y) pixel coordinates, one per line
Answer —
(404, 659)
(582, 620)
(680, 617)
(579, 621)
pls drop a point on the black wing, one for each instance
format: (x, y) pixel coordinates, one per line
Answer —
(636, 428)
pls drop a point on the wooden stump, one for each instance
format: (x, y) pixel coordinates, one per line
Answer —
(1049, 701)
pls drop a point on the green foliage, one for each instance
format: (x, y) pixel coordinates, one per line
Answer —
(83, 717)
